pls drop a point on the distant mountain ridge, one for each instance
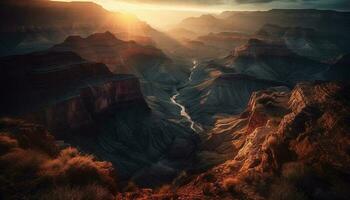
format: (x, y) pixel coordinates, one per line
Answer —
(37, 24)
(251, 21)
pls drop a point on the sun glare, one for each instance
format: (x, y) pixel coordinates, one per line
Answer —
(157, 15)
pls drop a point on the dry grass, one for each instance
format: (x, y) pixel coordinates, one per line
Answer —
(30, 168)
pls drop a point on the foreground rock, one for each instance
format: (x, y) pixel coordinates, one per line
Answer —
(286, 145)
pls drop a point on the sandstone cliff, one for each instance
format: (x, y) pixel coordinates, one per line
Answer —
(274, 61)
(106, 48)
(286, 145)
(63, 91)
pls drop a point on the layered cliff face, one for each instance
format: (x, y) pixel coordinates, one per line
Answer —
(121, 57)
(306, 42)
(274, 61)
(286, 145)
(252, 21)
(102, 113)
(107, 49)
(33, 79)
(215, 90)
(61, 90)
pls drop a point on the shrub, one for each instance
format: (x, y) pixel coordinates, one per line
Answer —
(75, 169)
(29, 167)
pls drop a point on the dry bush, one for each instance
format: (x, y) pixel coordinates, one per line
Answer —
(71, 167)
(30, 136)
(20, 160)
(28, 167)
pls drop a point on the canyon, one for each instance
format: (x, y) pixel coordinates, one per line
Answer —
(106, 106)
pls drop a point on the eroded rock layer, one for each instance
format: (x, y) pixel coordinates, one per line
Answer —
(286, 145)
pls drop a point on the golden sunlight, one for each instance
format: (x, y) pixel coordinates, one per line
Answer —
(161, 16)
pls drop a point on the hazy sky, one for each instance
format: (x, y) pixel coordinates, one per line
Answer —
(164, 13)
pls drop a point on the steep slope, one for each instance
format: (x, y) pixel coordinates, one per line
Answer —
(105, 114)
(107, 49)
(290, 139)
(286, 145)
(317, 34)
(251, 21)
(121, 57)
(216, 90)
(306, 42)
(32, 25)
(225, 41)
(33, 79)
(274, 61)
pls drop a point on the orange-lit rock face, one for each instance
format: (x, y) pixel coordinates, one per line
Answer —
(281, 135)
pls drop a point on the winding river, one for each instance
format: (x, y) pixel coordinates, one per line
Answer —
(194, 126)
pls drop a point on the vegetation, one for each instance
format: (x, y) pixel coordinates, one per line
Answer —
(32, 167)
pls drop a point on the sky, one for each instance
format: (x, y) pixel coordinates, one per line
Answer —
(163, 14)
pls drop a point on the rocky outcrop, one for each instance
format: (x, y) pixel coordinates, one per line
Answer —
(224, 93)
(82, 108)
(63, 91)
(292, 144)
(274, 61)
(121, 57)
(306, 42)
(85, 105)
(106, 48)
(258, 48)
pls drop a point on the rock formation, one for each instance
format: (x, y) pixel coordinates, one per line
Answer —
(106, 48)
(221, 92)
(306, 42)
(286, 145)
(84, 104)
(274, 61)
